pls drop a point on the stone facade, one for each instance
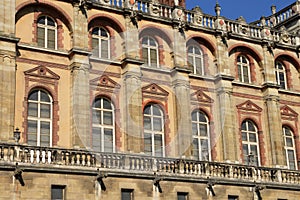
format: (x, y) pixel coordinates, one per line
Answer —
(147, 67)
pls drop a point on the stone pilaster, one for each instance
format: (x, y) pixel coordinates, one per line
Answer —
(132, 103)
(181, 88)
(7, 69)
(80, 95)
(274, 129)
(226, 118)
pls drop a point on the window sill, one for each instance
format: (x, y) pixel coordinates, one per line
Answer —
(249, 85)
(40, 49)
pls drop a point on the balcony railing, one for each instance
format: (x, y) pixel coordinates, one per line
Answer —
(196, 18)
(45, 157)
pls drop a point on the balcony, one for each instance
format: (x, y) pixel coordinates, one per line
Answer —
(32, 158)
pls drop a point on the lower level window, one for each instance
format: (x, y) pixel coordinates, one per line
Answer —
(233, 197)
(58, 192)
(127, 194)
(182, 196)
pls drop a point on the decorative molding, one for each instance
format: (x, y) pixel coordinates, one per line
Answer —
(42, 72)
(249, 106)
(105, 81)
(154, 90)
(201, 97)
(288, 113)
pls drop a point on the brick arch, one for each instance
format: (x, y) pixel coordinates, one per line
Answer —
(107, 20)
(288, 58)
(248, 50)
(55, 11)
(292, 127)
(55, 110)
(156, 33)
(205, 111)
(203, 41)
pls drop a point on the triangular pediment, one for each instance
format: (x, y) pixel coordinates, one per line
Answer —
(105, 81)
(42, 72)
(249, 106)
(201, 97)
(287, 111)
(154, 89)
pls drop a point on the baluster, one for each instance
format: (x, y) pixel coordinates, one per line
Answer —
(43, 154)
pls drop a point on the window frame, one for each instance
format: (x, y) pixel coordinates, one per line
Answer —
(193, 56)
(240, 67)
(182, 196)
(100, 39)
(152, 131)
(278, 73)
(148, 47)
(103, 126)
(38, 118)
(127, 191)
(46, 28)
(61, 187)
(198, 123)
(249, 143)
(288, 148)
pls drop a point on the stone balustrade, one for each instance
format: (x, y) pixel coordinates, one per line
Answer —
(46, 157)
(256, 30)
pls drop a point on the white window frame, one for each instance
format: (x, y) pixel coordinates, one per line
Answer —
(46, 28)
(193, 56)
(101, 38)
(103, 126)
(249, 143)
(285, 131)
(198, 137)
(279, 71)
(39, 119)
(153, 132)
(241, 65)
(148, 47)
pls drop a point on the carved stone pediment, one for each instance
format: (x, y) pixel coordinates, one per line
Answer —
(286, 111)
(249, 106)
(105, 81)
(42, 72)
(200, 96)
(154, 90)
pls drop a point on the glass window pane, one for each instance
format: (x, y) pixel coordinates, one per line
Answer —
(147, 123)
(252, 137)
(45, 110)
(41, 20)
(244, 136)
(158, 145)
(156, 110)
(97, 117)
(33, 109)
(97, 103)
(152, 42)
(145, 55)
(50, 22)
(95, 31)
(194, 128)
(32, 126)
(104, 49)
(196, 148)
(44, 96)
(33, 95)
(194, 116)
(107, 104)
(147, 144)
(108, 140)
(107, 118)
(251, 126)
(289, 142)
(51, 38)
(203, 130)
(157, 124)
(153, 57)
(103, 32)
(95, 46)
(202, 117)
(41, 37)
(96, 139)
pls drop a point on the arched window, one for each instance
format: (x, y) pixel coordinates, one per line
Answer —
(280, 74)
(46, 32)
(243, 69)
(154, 144)
(103, 129)
(150, 52)
(201, 136)
(39, 120)
(289, 146)
(195, 59)
(100, 43)
(250, 143)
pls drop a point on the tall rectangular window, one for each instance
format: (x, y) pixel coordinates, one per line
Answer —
(58, 192)
(182, 195)
(126, 194)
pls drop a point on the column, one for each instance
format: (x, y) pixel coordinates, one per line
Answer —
(80, 91)
(7, 68)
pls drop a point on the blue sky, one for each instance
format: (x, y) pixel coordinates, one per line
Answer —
(251, 10)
